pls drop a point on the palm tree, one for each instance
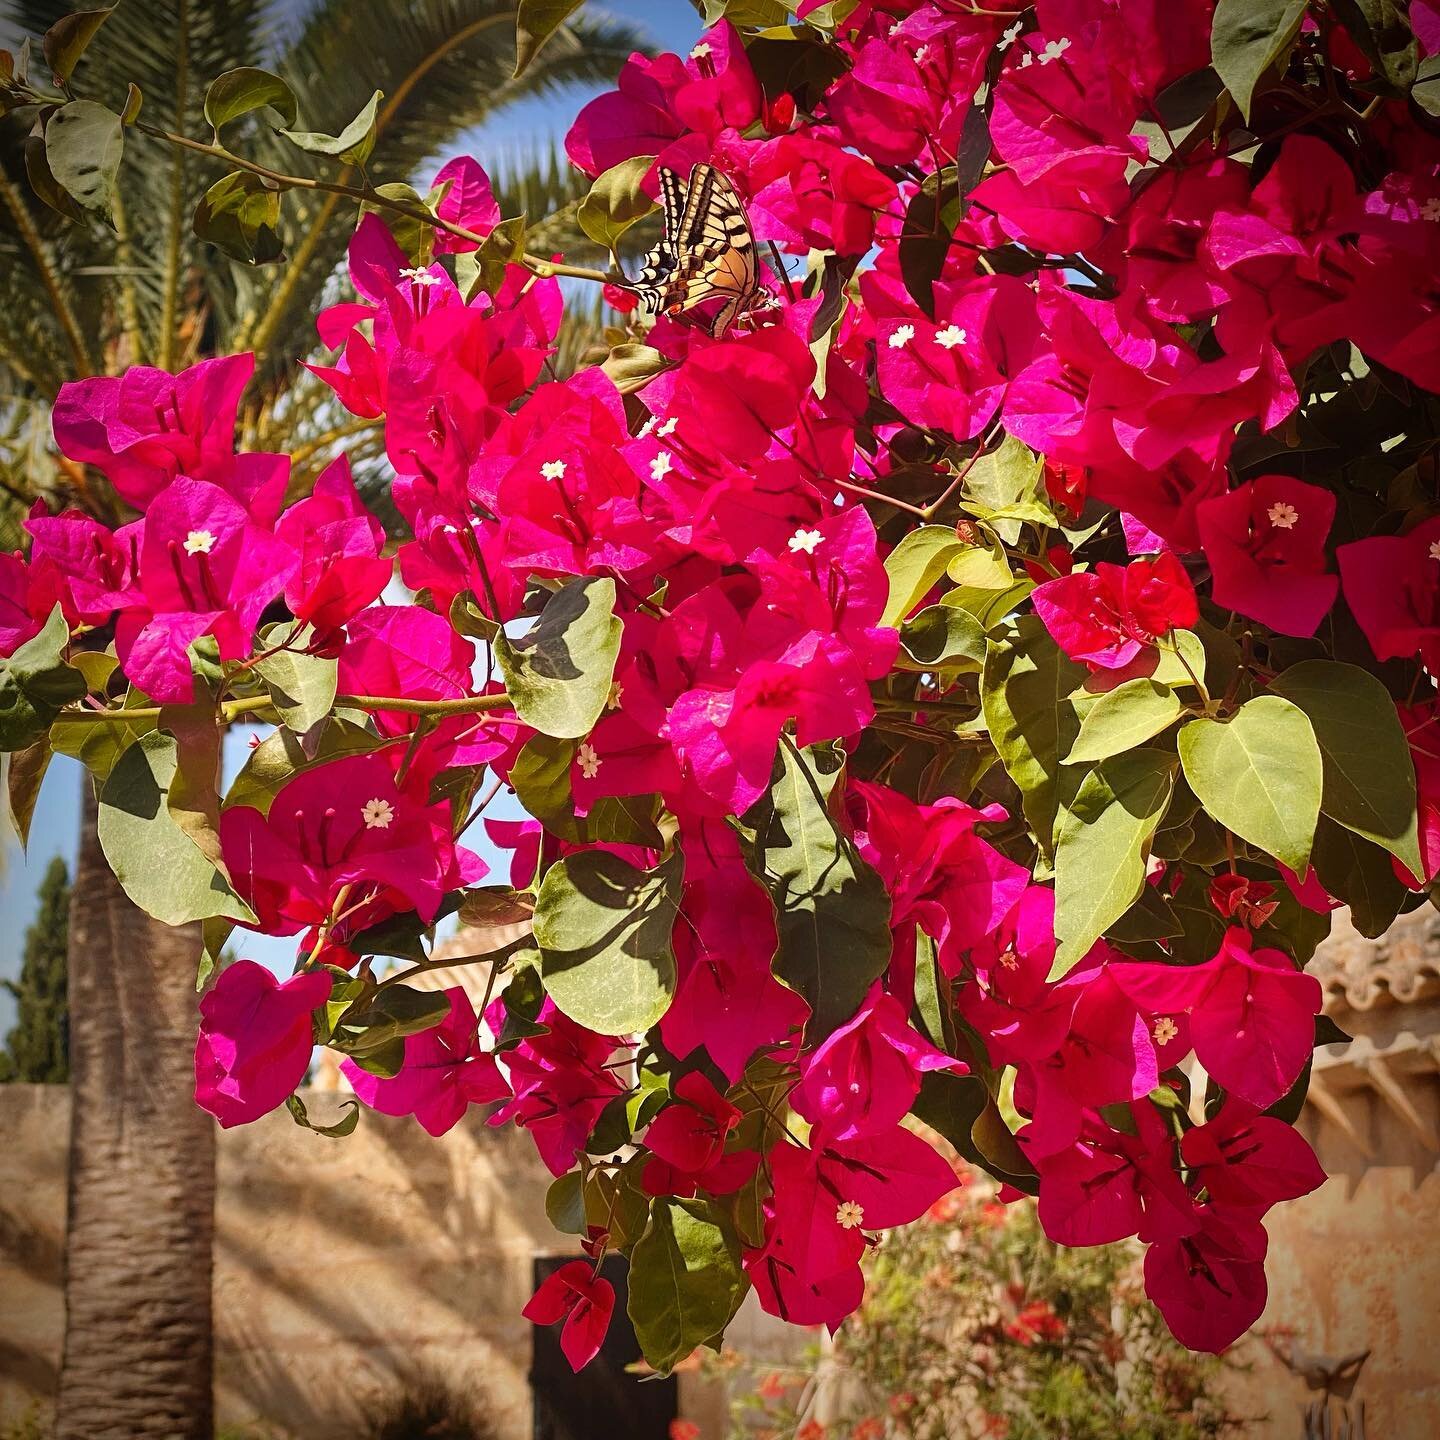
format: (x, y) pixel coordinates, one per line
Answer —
(80, 299)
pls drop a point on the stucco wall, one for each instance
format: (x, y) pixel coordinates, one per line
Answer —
(345, 1267)
(341, 1267)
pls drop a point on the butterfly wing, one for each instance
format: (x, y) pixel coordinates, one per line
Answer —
(707, 250)
(715, 249)
(658, 267)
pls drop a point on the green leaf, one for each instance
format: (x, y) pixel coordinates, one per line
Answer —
(1382, 30)
(282, 756)
(240, 214)
(484, 269)
(559, 673)
(1008, 480)
(35, 682)
(1179, 660)
(193, 797)
(342, 1127)
(44, 184)
(98, 745)
(1426, 93)
(915, 565)
(1249, 38)
(388, 1015)
(1123, 718)
(565, 1204)
(832, 911)
(412, 233)
(989, 607)
(522, 999)
(1102, 840)
(961, 1110)
(616, 201)
(301, 685)
(156, 863)
(25, 775)
(1259, 774)
(352, 146)
(685, 1279)
(541, 781)
(535, 22)
(1027, 692)
(242, 91)
(214, 934)
(604, 933)
(83, 145)
(942, 637)
(469, 619)
(495, 908)
(633, 366)
(65, 41)
(932, 996)
(926, 232)
(1360, 874)
(981, 567)
(1369, 776)
(614, 1202)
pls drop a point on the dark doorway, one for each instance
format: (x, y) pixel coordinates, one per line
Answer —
(602, 1402)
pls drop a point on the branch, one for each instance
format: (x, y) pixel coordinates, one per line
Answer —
(546, 269)
(237, 709)
(491, 957)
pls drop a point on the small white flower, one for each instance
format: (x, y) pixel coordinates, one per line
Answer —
(1027, 59)
(661, 465)
(617, 693)
(1165, 1030)
(1010, 36)
(1435, 549)
(805, 540)
(922, 54)
(199, 542)
(420, 275)
(646, 428)
(378, 814)
(1282, 515)
(902, 337)
(553, 470)
(588, 758)
(849, 1215)
(668, 428)
(1053, 50)
(950, 336)
(1430, 210)
(702, 51)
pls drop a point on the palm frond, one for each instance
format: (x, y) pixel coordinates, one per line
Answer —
(444, 66)
(164, 288)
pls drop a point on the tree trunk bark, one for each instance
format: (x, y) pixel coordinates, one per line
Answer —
(138, 1353)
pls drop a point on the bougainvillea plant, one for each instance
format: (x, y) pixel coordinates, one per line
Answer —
(959, 689)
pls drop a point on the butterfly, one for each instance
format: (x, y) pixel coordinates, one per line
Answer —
(707, 251)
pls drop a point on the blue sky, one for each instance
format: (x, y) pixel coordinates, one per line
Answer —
(672, 25)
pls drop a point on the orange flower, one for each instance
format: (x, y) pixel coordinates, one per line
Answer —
(684, 1430)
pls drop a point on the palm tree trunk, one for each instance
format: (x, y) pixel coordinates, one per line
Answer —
(138, 1356)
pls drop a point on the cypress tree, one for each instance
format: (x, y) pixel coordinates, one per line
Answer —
(37, 1049)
